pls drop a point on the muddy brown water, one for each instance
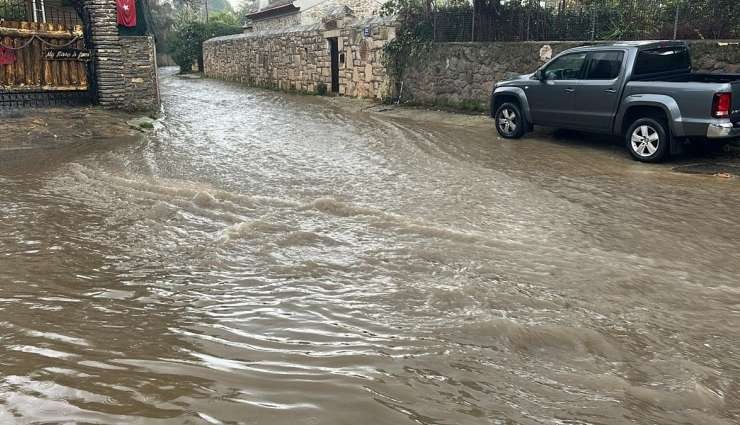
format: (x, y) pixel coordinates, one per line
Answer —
(271, 259)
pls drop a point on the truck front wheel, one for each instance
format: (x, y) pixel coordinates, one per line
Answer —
(647, 140)
(510, 122)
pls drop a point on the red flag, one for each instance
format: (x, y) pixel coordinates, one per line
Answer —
(7, 56)
(126, 12)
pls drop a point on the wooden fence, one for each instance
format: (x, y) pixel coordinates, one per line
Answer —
(38, 63)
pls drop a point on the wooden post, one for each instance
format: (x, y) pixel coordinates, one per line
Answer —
(36, 49)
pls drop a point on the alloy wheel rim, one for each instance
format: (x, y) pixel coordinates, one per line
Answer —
(507, 121)
(645, 140)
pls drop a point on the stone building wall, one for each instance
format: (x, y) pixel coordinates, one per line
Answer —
(313, 11)
(361, 9)
(463, 74)
(106, 50)
(112, 70)
(140, 75)
(277, 23)
(300, 60)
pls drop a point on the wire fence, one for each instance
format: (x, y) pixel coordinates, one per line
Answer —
(512, 20)
(22, 10)
(15, 10)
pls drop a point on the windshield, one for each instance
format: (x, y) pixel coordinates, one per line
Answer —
(661, 60)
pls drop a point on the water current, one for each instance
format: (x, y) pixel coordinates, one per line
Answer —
(273, 259)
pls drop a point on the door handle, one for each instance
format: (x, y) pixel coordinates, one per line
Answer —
(569, 90)
(610, 90)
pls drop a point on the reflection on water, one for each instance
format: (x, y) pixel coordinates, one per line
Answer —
(269, 259)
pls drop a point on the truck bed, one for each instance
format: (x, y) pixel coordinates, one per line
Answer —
(702, 87)
(691, 77)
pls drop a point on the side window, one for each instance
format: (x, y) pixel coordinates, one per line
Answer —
(605, 66)
(567, 67)
(662, 60)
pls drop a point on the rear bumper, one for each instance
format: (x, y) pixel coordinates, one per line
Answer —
(725, 130)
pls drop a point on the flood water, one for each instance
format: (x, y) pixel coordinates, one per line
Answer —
(275, 259)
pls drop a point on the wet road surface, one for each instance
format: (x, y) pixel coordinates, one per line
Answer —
(274, 259)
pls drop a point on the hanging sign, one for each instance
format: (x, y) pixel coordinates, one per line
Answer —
(7, 56)
(66, 54)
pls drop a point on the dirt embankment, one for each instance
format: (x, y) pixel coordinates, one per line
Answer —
(57, 127)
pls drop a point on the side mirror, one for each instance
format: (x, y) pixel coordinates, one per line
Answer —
(539, 75)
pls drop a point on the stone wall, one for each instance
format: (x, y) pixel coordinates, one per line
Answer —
(106, 50)
(113, 56)
(300, 60)
(708, 56)
(140, 74)
(463, 74)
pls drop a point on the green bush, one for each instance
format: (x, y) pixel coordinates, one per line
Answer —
(414, 36)
(190, 33)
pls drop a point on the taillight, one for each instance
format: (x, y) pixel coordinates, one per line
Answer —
(721, 105)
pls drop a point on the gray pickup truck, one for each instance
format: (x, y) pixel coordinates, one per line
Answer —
(643, 91)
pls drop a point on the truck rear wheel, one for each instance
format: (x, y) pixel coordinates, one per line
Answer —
(647, 140)
(510, 122)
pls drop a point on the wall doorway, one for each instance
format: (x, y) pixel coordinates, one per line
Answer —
(334, 50)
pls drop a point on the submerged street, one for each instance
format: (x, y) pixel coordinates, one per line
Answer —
(273, 259)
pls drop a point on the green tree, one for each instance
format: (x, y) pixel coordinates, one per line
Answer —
(189, 34)
(219, 6)
(225, 17)
(162, 22)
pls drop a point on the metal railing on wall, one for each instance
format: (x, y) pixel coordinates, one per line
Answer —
(23, 10)
(15, 10)
(522, 20)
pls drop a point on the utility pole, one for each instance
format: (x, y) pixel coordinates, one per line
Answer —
(675, 22)
(593, 21)
(206, 11)
(472, 27)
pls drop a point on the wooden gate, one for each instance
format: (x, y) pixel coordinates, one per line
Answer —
(43, 64)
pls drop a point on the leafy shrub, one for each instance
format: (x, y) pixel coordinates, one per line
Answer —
(190, 33)
(414, 36)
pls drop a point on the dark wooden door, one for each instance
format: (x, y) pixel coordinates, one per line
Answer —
(334, 48)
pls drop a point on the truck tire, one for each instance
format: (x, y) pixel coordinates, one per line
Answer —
(647, 139)
(510, 122)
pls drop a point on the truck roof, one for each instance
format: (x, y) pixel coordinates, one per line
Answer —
(640, 45)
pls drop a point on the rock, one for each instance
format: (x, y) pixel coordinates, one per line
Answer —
(141, 123)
